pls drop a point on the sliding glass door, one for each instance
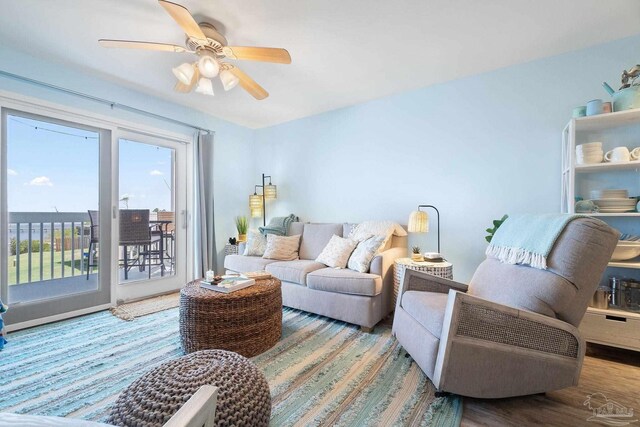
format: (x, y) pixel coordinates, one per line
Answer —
(56, 203)
(152, 215)
(88, 215)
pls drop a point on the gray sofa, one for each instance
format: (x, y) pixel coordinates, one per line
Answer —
(359, 298)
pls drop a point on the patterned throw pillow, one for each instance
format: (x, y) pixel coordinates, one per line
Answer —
(360, 259)
(256, 244)
(337, 252)
(283, 248)
(378, 228)
(366, 229)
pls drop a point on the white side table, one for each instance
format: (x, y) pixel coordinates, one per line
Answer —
(442, 269)
(230, 249)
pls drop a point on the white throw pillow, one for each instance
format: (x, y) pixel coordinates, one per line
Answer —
(366, 229)
(283, 248)
(378, 228)
(360, 259)
(256, 244)
(337, 252)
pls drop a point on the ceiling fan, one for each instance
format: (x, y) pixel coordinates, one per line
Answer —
(211, 47)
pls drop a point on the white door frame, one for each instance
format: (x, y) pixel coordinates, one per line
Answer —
(144, 288)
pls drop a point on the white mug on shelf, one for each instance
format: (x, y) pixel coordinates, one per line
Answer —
(618, 154)
(635, 153)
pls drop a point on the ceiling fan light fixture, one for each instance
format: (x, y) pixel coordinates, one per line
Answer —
(205, 86)
(208, 65)
(184, 72)
(229, 80)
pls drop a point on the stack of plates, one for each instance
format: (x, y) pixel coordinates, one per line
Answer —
(589, 153)
(609, 194)
(616, 205)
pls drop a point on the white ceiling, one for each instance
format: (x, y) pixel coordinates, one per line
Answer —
(344, 52)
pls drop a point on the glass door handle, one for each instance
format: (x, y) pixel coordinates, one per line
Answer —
(185, 219)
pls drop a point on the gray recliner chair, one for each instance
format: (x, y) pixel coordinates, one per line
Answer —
(513, 330)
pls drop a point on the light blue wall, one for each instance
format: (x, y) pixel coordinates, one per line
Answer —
(476, 148)
(233, 162)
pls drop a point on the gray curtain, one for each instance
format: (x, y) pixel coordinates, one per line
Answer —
(205, 255)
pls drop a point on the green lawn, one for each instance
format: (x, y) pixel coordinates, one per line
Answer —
(46, 263)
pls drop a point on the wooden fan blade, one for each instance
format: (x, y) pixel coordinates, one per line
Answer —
(249, 84)
(264, 54)
(195, 78)
(181, 15)
(131, 44)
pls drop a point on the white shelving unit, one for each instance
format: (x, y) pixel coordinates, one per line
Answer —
(612, 327)
(607, 167)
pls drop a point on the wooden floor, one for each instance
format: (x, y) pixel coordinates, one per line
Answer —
(613, 372)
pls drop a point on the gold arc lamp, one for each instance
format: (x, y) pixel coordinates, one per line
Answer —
(257, 202)
(419, 221)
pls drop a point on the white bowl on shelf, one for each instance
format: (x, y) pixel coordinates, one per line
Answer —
(625, 250)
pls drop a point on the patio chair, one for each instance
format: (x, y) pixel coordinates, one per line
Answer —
(168, 232)
(94, 235)
(135, 231)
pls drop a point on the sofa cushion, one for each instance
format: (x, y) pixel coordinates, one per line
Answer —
(427, 308)
(296, 228)
(360, 259)
(256, 244)
(337, 252)
(315, 237)
(283, 248)
(345, 282)
(366, 229)
(242, 264)
(347, 228)
(293, 271)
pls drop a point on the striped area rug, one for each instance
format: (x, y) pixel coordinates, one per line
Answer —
(322, 371)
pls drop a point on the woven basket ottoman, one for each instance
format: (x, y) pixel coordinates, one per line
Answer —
(248, 321)
(243, 393)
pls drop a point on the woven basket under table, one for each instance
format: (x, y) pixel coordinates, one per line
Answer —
(248, 321)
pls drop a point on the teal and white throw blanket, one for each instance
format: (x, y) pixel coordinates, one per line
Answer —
(278, 225)
(528, 239)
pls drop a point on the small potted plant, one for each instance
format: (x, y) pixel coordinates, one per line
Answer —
(242, 225)
(416, 255)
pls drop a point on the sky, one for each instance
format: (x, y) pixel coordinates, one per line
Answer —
(55, 168)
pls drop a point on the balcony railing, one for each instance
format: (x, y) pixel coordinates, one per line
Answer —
(62, 237)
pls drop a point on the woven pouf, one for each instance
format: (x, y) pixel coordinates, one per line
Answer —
(243, 393)
(248, 321)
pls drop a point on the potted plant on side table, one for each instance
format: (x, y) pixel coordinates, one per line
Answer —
(242, 225)
(416, 255)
